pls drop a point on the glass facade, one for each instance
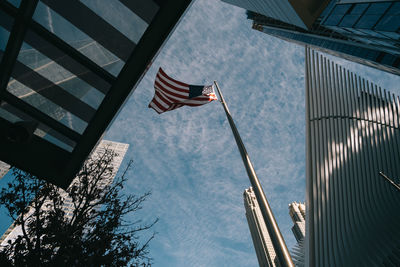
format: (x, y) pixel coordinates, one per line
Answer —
(371, 23)
(365, 32)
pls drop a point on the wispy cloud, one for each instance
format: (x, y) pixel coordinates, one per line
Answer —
(188, 157)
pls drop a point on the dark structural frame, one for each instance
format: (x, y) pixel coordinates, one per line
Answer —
(33, 153)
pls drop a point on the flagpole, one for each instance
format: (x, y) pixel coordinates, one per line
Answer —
(276, 237)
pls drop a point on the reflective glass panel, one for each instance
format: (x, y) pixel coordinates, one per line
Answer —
(15, 3)
(372, 15)
(391, 21)
(75, 37)
(14, 115)
(59, 76)
(120, 17)
(46, 106)
(353, 15)
(337, 14)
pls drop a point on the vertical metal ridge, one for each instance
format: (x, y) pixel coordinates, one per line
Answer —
(309, 257)
(336, 192)
(353, 134)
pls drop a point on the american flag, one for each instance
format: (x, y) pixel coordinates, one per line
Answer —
(171, 94)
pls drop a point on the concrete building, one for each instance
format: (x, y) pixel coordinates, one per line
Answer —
(119, 148)
(266, 254)
(364, 31)
(352, 134)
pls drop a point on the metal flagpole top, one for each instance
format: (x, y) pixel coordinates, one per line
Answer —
(278, 242)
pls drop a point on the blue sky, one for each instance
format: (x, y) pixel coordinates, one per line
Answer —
(188, 158)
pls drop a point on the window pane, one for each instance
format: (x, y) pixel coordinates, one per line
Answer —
(46, 106)
(15, 3)
(75, 37)
(367, 21)
(349, 20)
(390, 23)
(53, 72)
(13, 115)
(377, 8)
(57, 55)
(394, 9)
(358, 9)
(353, 15)
(120, 17)
(372, 15)
(337, 14)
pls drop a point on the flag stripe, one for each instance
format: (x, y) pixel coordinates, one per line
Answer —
(171, 84)
(154, 106)
(177, 99)
(162, 84)
(171, 94)
(161, 71)
(165, 90)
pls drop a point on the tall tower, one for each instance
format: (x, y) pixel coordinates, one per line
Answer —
(262, 242)
(297, 212)
(119, 148)
(363, 31)
(352, 134)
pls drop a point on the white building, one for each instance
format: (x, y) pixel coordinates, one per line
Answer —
(262, 241)
(119, 148)
(297, 212)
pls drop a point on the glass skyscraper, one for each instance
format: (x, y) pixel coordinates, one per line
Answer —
(364, 31)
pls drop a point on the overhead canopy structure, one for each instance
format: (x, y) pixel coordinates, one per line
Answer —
(66, 68)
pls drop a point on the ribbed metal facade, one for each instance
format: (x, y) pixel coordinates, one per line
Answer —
(352, 133)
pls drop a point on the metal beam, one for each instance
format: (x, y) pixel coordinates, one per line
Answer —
(25, 117)
(136, 66)
(51, 91)
(63, 47)
(24, 15)
(38, 156)
(40, 116)
(145, 9)
(94, 26)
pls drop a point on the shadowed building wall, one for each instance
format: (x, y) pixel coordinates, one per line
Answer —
(352, 134)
